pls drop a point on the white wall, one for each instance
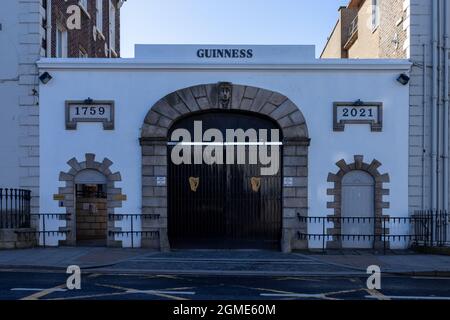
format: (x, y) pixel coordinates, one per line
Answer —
(20, 48)
(314, 92)
(9, 92)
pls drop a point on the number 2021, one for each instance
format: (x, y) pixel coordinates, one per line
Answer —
(354, 112)
(89, 111)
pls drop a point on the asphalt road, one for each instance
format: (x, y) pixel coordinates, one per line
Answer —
(51, 285)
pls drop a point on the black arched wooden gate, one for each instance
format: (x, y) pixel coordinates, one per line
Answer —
(224, 205)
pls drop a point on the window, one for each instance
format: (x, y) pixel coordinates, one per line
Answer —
(82, 53)
(61, 43)
(112, 26)
(99, 15)
(375, 14)
(84, 3)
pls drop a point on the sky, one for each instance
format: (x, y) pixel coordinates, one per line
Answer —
(227, 22)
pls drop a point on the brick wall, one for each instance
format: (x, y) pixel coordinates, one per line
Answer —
(392, 34)
(91, 42)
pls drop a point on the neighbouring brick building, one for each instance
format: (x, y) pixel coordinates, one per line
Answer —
(29, 31)
(99, 33)
(367, 29)
(417, 30)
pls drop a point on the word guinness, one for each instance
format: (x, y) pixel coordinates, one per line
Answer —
(225, 53)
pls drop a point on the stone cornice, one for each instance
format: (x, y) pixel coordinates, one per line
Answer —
(145, 64)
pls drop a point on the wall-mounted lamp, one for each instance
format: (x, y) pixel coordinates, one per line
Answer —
(45, 77)
(403, 79)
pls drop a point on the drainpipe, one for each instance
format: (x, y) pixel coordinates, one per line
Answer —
(424, 120)
(434, 108)
(49, 29)
(446, 107)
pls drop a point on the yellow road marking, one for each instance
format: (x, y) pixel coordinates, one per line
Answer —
(298, 278)
(377, 294)
(91, 296)
(43, 293)
(149, 292)
(313, 295)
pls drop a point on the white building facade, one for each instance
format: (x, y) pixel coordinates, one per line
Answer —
(161, 72)
(326, 159)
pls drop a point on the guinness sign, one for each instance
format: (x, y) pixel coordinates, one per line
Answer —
(225, 53)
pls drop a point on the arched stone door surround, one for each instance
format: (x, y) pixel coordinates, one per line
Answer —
(223, 96)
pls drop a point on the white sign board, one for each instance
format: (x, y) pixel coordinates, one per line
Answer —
(359, 112)
(288, 181)
(89, 111)
(161, 181)
(226, 54)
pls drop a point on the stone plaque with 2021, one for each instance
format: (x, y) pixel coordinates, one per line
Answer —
(345, 113)
(90, 111)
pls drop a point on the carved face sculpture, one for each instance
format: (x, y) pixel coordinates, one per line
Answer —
(224, 95)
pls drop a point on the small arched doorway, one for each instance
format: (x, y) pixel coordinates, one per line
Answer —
(225, 204)
(91, 208)
(358, 210)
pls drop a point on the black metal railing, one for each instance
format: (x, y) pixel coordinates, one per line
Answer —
(54, 224)
(129, 223)
(91, 194)
(428, 228)
(43, 220)
(14, 208)
(431, 228)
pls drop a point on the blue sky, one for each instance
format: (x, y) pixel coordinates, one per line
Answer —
(227, 22)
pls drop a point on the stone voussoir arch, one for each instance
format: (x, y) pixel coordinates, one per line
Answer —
(209, 96)
(222, 96)
(336, 204)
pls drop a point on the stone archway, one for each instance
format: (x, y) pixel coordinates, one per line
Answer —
(336, 204)
(224, 96)
(114, 196)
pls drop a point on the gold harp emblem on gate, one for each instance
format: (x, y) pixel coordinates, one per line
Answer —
(193, 183)
(256, 183)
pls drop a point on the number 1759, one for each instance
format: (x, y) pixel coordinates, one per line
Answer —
(92, 111)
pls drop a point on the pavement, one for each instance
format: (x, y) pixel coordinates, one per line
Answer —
(224, 262)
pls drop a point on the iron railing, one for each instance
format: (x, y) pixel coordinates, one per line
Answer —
(91, 194)
(427, 228)
(131, 219)
(43, 220)
(431, 228)
(14, 208)
(423, 228)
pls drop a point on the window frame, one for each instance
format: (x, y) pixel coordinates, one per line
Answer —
(112, 26)
(375, 15)
(84, 4)
(82, 53)
(61, 47)
(99, 15)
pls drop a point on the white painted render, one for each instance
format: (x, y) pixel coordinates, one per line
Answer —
(9, 92)
(20, 47)
(136, 84)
